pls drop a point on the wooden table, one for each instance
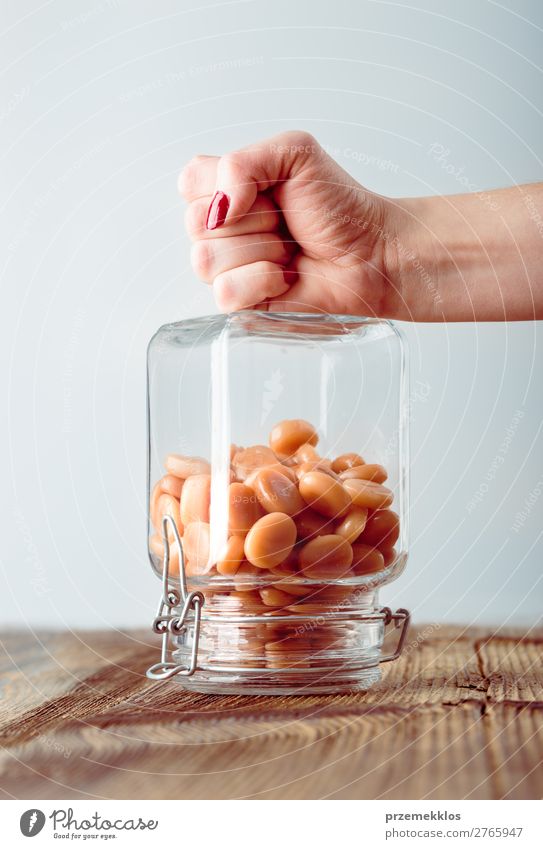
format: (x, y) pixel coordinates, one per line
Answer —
(459, 716)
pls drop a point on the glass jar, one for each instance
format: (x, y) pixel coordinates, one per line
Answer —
(278, 460)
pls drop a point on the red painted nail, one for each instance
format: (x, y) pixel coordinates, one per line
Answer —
(218, 210)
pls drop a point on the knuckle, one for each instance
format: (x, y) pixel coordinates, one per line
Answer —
(301, 141)
(189, 175)
(224, 291)
(231, 166)
(202, 258)
(302, 136)
(233, 159)
(185, 181)
(193, 219)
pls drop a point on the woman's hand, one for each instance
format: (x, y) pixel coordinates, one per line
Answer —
(288, 230)
(280, 225)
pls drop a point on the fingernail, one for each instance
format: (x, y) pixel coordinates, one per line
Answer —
(218, 210)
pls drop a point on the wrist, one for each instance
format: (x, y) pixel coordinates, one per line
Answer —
(464, 257)
(411, 263)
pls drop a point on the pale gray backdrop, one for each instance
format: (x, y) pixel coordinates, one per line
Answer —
(101, 103)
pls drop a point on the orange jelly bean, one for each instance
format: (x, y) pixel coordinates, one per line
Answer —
(368, 494)
(368, 472)
(382, 529)
(172, 485)
(306, 453)
(278, 467)
(302, 469)
(243, 508)
(184, 467)
(288, 652)
(288, 645)
(287, 436)
(270, 540)
(291, 586)
(389, 555)
(331, 593)
(232, 556)
(272, 597)
(247, 603)
(276, 492)
(157, 547)
(346, 461)
(326, 557)
(324, 494)
(156, 492)
(248, 459)
(366, 559)
(288, 566)
(196, 548)
(311, 524)
(353, 524)
(246, 577)
(195, 499)
(167, 505)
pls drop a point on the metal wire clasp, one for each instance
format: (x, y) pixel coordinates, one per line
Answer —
(166, 622)
(400, 617)
(169, 620)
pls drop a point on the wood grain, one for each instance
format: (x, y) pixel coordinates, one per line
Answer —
(458, 716)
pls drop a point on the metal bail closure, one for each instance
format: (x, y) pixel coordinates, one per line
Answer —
(401, 618)
(166, 622)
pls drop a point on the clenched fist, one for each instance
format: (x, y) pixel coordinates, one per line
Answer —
(280, 225)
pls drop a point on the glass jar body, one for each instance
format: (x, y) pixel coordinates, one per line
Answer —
(278, 446)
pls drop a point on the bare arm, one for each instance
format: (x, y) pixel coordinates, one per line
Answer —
(479, 256)
(280, 225)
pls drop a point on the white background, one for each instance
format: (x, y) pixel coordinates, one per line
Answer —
(101, 103)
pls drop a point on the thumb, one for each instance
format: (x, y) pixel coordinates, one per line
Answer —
(256, 168)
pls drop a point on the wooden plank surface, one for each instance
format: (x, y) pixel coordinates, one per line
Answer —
(458, 716)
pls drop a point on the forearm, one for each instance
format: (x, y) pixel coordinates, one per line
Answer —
(477, 257)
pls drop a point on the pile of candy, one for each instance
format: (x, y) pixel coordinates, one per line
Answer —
(298, 523)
